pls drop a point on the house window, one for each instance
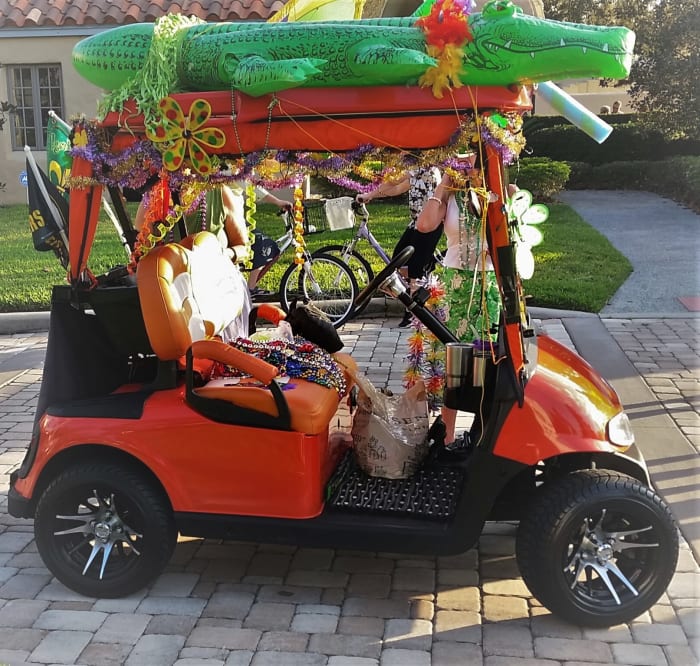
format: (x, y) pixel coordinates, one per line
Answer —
(35, 90)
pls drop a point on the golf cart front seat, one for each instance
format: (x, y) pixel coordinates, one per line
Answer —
(194, 299)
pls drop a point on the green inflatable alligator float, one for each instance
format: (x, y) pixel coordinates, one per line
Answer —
(507, 47)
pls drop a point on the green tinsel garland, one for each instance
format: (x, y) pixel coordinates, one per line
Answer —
(158, 78)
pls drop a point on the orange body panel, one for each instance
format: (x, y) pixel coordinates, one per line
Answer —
(321, 119)
(566, 409)
(204, 466)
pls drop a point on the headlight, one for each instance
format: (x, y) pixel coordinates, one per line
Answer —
(620, 430)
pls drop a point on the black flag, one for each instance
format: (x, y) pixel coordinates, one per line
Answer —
(48, 232)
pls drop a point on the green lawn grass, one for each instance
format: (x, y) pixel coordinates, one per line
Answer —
(576, 267)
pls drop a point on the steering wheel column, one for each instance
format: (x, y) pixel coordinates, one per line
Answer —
(390, 282)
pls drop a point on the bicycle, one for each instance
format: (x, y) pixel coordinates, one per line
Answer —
(356, 262)
(323, 280)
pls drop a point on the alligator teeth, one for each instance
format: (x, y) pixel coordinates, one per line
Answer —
(584, 49)
(605, 48)
(507, 44)
(562, 42)
(532, 54)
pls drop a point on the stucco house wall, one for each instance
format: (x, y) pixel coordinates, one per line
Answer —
(79, 96)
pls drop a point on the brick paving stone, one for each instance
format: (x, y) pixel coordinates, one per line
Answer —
(552, 627)
(6, 573)
(422, 609)
(70, 620)
(61, 647)
(658, 634)
(20, 639)
(456, 654)
(333, 596)
(663, 614)
(174, 585)
(459, 577)
(408, 634)
(465, 599)
(155, 650)
(513, 587)
(312, 559)
(11, 657)
(239, 658)
(690, 621)
(105, 654)
(234, 605)
(224, 637)
(317, 578)
(23, 586)
(413, 579)
(194, 661)
(180, 625)
(341, 644)
(171, 606)
(288, 659)
(363, 565)
(514, 661)
(56, 591)
(499, 609)
(125, 605)
(269, 616)
(618, 634)
(564, 648)
(491, 544)
(639, 655)
(386, 608)
(209, 654)
(457, 626)
(397, 657)
(122, 628)
(372, 585)
(315, 623)
(319, 609)
(269, 564)
(363, 626)
(283, 641)
(13, 541)
(21, 612)
(352, 661)
(680, 655)
(292, 594)
(505, 639)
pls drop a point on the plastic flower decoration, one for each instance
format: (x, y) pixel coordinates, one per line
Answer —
(524, 213)
(176, 135)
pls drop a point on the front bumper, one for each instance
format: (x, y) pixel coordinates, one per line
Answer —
(18, 506)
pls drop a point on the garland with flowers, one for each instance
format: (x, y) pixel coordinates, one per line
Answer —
(426, 354)
(446, 29)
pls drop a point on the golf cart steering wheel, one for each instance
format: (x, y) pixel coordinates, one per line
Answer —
(396, 263)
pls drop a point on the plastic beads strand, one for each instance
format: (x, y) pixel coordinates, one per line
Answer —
(299, 244)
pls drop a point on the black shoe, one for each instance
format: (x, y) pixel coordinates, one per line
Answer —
(406, 321)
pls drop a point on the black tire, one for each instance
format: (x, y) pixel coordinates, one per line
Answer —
(360, 267)
(572, 533)
(120, 505)
(324, 281)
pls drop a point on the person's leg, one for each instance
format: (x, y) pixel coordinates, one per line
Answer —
(449, 417)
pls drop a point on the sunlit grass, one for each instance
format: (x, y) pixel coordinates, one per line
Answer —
(576, 267)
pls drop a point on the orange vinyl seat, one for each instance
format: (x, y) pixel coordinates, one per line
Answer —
(193, 298)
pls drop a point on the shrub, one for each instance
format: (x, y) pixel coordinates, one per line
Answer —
(543, 177)
(628, 142)
(677, 178)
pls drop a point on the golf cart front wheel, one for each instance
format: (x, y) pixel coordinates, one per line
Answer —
(597, 548)
(104, 530)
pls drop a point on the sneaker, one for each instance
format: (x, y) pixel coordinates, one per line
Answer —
(460, 444)
(406, 321)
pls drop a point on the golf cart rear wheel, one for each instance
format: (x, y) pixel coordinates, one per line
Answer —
(597, 548)
(104, 530)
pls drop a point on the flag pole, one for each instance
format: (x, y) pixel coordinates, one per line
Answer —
(49, 201)
(105, 203)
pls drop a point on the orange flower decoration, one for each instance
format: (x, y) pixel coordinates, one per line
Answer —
(179, 135)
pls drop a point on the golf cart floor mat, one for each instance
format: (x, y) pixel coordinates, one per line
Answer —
(432, 492)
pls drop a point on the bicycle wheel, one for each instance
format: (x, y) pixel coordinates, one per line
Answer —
(360, 267)
(324, 281)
